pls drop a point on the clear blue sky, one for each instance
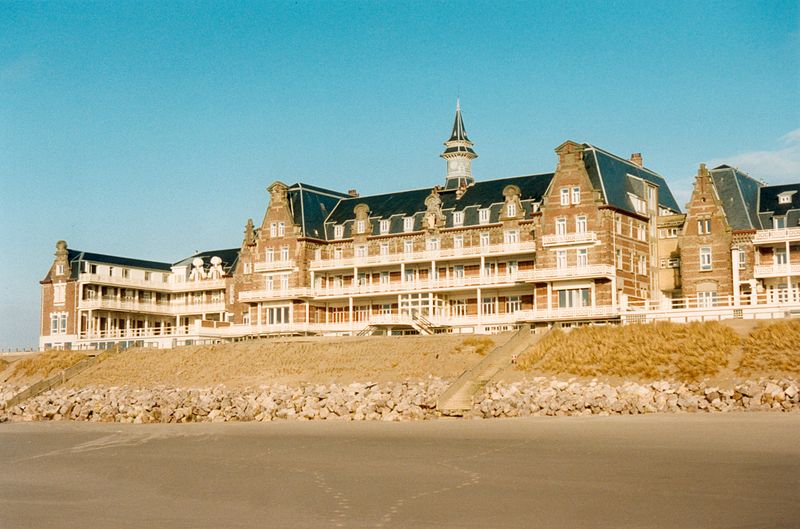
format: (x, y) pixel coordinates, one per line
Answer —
(151, 130)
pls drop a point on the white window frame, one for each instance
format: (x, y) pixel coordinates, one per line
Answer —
(576, 195)
(385, 226)
(284, 253)
(561, 226)
(511, 236)
(581, 224)
(458, 242)
(513, 304)
(273, 229)
(561, 259)
(361, 251)
(780, 257)
(338, 231)
(704, 226)
(511, 209)
(408, 224)
(564, 196)
(59, 293)
(484, 239)
(582, 257)
(458, 218)
(360, 226)
(778, 223)
(705, 259)
(483, 216)
(408, 247)
(384, 248)
(338, 253)
(432, 244)
(281, 229)
(742, 258)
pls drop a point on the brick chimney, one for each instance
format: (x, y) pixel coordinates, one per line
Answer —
(637, 158)
(352, 192)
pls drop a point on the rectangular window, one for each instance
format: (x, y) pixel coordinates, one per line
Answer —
(574, 298)
(385, 226)
(60, 269)
(778, 223)
(384, 278)
(53, 324)
(458, 218)
(642, 265)
(561, 226)
(410, 275)
(583, 257)
(576, 195)
(561, 259)
(619, 259)
(338, 282)
(458, 271)
(704, 226)
(270, 255)
(511, 236)
(408, 246)
(483, 216)
(273, 229)
(484, 239)
(270, 283)
(338, 231)
(511, 209)
(216, 296)
(565, 196)
(360, 226)
(458, 242)
(284, 253)
(362, 279)
(281, 229)
(742, 258)
(780, 256)
(513, 304)
(337, 253)
(705, 258)
(432, 244)
(580, 224)
(706, 299)
(641, 232)
(512, 268)
(385, 248)
(63, 323)
(125, 273)
(59, 293)
(361, 251)
(489, 305)
(618, 225)
(408, 224)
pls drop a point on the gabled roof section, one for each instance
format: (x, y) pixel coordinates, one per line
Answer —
(311, 205)
(738, 193)
(610, 174)
(229, 258)
(409, 203)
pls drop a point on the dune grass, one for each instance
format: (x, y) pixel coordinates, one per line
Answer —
(772, 348)
(43, 364)
(481, 344)
(651, 351)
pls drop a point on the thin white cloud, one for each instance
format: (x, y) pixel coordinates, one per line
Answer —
(778, 166)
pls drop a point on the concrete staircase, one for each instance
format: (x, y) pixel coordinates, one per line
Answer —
(458, 398)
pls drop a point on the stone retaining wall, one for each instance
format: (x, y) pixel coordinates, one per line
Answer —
(410, 400)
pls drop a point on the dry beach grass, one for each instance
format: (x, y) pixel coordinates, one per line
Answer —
(772, 348)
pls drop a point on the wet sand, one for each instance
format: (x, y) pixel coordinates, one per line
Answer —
(672, 471)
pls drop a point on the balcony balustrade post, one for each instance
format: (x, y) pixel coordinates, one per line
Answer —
(789, 272)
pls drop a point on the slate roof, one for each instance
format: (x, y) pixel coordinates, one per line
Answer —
(229, 257)
(459, 134)
(769, 207)
(310, 206)
(739, 195)
(609, 173)
(395, 206)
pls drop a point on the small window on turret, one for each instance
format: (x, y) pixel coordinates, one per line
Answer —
(60, 269)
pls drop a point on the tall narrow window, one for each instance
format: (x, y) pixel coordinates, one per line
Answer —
(59, 293)
(360, 226)
(338, 231)
(511, 236)
(458, 271)
(384, 248)
(408, 224)
(778, 223)
(281, 229)
(583, 257)
(511, 209)
(458, 218)
(432, 244)
(561, 259)
(742, 259)
(780, 256)
(619, 259)
(512, 268)
(483, 216)
(337, 253)
(561, 226)
(458, 242)
(565, 196)
(580, 224)
(576, 195)
(408, 246)
(385, 226)
(273, 229)
(484, 239)
(705, 258)
(361, 251)
(704, 226)
(284, 253)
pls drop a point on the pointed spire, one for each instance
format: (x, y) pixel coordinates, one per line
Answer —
(459, 154)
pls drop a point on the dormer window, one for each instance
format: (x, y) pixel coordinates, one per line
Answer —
(408, 224)
(483, 216)
(511, 210)
(785, 197)
(778, 223)
(458, 218)
(338, 231)
(360, 226)
(385, 226)
(60, 269)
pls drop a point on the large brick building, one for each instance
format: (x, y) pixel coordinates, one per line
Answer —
(600, 239)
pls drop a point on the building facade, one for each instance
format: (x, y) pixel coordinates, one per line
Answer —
(600, 239)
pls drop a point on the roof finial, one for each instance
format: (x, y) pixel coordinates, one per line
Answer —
(458, 104)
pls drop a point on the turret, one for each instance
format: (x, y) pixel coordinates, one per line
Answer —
(459, 155)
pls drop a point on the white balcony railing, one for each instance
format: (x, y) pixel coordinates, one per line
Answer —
(562, 313)
(152, 284)
(569, 238)
(152, 307)
(279, 293)
(572, 272)
(424, 256)
(777, 235)
(776, 270)
(265, 266)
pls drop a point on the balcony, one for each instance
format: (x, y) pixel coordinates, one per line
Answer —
(776, 270)
(279, 293)
(173, 308)
(570, 272)
(268, 266)
(566, 313)
(150, 284)
(569, 238)
(425, 256)
(778, 235)
(452, 283)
